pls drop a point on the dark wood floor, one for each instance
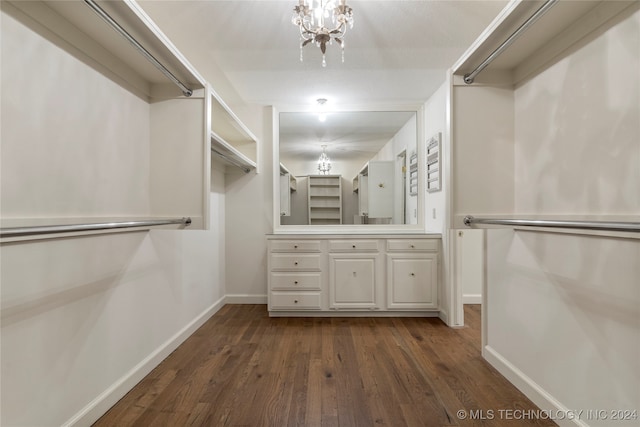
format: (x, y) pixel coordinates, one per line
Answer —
(243, 368)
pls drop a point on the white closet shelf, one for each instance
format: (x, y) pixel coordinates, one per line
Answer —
(566, 22)
(77, 28)
(230, 154)
(230, 136)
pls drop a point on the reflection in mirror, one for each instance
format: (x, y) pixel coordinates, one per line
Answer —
(373, 173)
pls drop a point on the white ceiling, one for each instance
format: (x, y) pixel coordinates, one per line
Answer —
(397, 51)
(396, 54)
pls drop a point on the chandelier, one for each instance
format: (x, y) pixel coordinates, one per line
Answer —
(324, 164)
(313, 18)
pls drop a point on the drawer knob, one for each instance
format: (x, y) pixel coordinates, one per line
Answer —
(295, 282)
(413, 274)
(295, 263)
(295, 246)
(353, 246)
(412, 246)
(295, 301)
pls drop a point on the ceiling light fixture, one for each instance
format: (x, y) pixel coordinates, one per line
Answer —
(311, 17)
(324, 164)
(322, 114)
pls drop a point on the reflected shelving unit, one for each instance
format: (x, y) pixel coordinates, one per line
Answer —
(325, 199)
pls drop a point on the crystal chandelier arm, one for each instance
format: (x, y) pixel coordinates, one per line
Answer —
(340, 29)
(305, 29)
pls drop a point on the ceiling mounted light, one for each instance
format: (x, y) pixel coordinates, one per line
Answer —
(311, 17)
(322, 114)
(324, 164)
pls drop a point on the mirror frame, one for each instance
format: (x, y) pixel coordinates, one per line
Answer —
(419, 228)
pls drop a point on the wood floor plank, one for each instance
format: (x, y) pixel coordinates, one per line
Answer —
(243, 368)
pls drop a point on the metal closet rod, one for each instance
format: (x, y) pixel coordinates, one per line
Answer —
(231, 160)
(585, 225)
(470, 77)
(109, 20)
(50, 229)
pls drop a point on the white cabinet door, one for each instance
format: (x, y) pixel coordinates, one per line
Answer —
(412, 281)
(381, 189)
(363, 195)
(352, 280)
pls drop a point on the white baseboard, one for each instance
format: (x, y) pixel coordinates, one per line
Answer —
(472, 299)
(101, 404)
(245, 299)
(443, 316)
(531, 389)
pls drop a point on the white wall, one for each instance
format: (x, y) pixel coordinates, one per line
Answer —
(577, 131)
(483, 152)
(435, 121)
(469, 264)
(564, 309)
(45, 94)
(92, 315)
(84, 318)
(249, 217)
(564, 316)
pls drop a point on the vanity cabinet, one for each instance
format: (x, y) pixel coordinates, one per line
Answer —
(353, 275)
(295, 275)
(412, 273)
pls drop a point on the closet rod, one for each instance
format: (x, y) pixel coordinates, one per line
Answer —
(231, 160)
(49, 229)
(470, 77)
(109, 20)
(585, 225)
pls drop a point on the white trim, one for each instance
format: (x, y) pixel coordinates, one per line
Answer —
(530, 388)
(245, 299)
(103, 402)
(347, 313)
(472, 299)
(442, 315)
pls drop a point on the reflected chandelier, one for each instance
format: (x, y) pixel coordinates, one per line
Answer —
(324, 164)
(311, 17)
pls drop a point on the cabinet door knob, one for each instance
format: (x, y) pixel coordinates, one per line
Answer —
(413, 274)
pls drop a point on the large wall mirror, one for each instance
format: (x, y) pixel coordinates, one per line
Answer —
(370, 179)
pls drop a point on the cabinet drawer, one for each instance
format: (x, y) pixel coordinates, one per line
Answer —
(295, 245)
(408, 245)
(353, 246)
(295, 301)
(293, 281)
(295, 262)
